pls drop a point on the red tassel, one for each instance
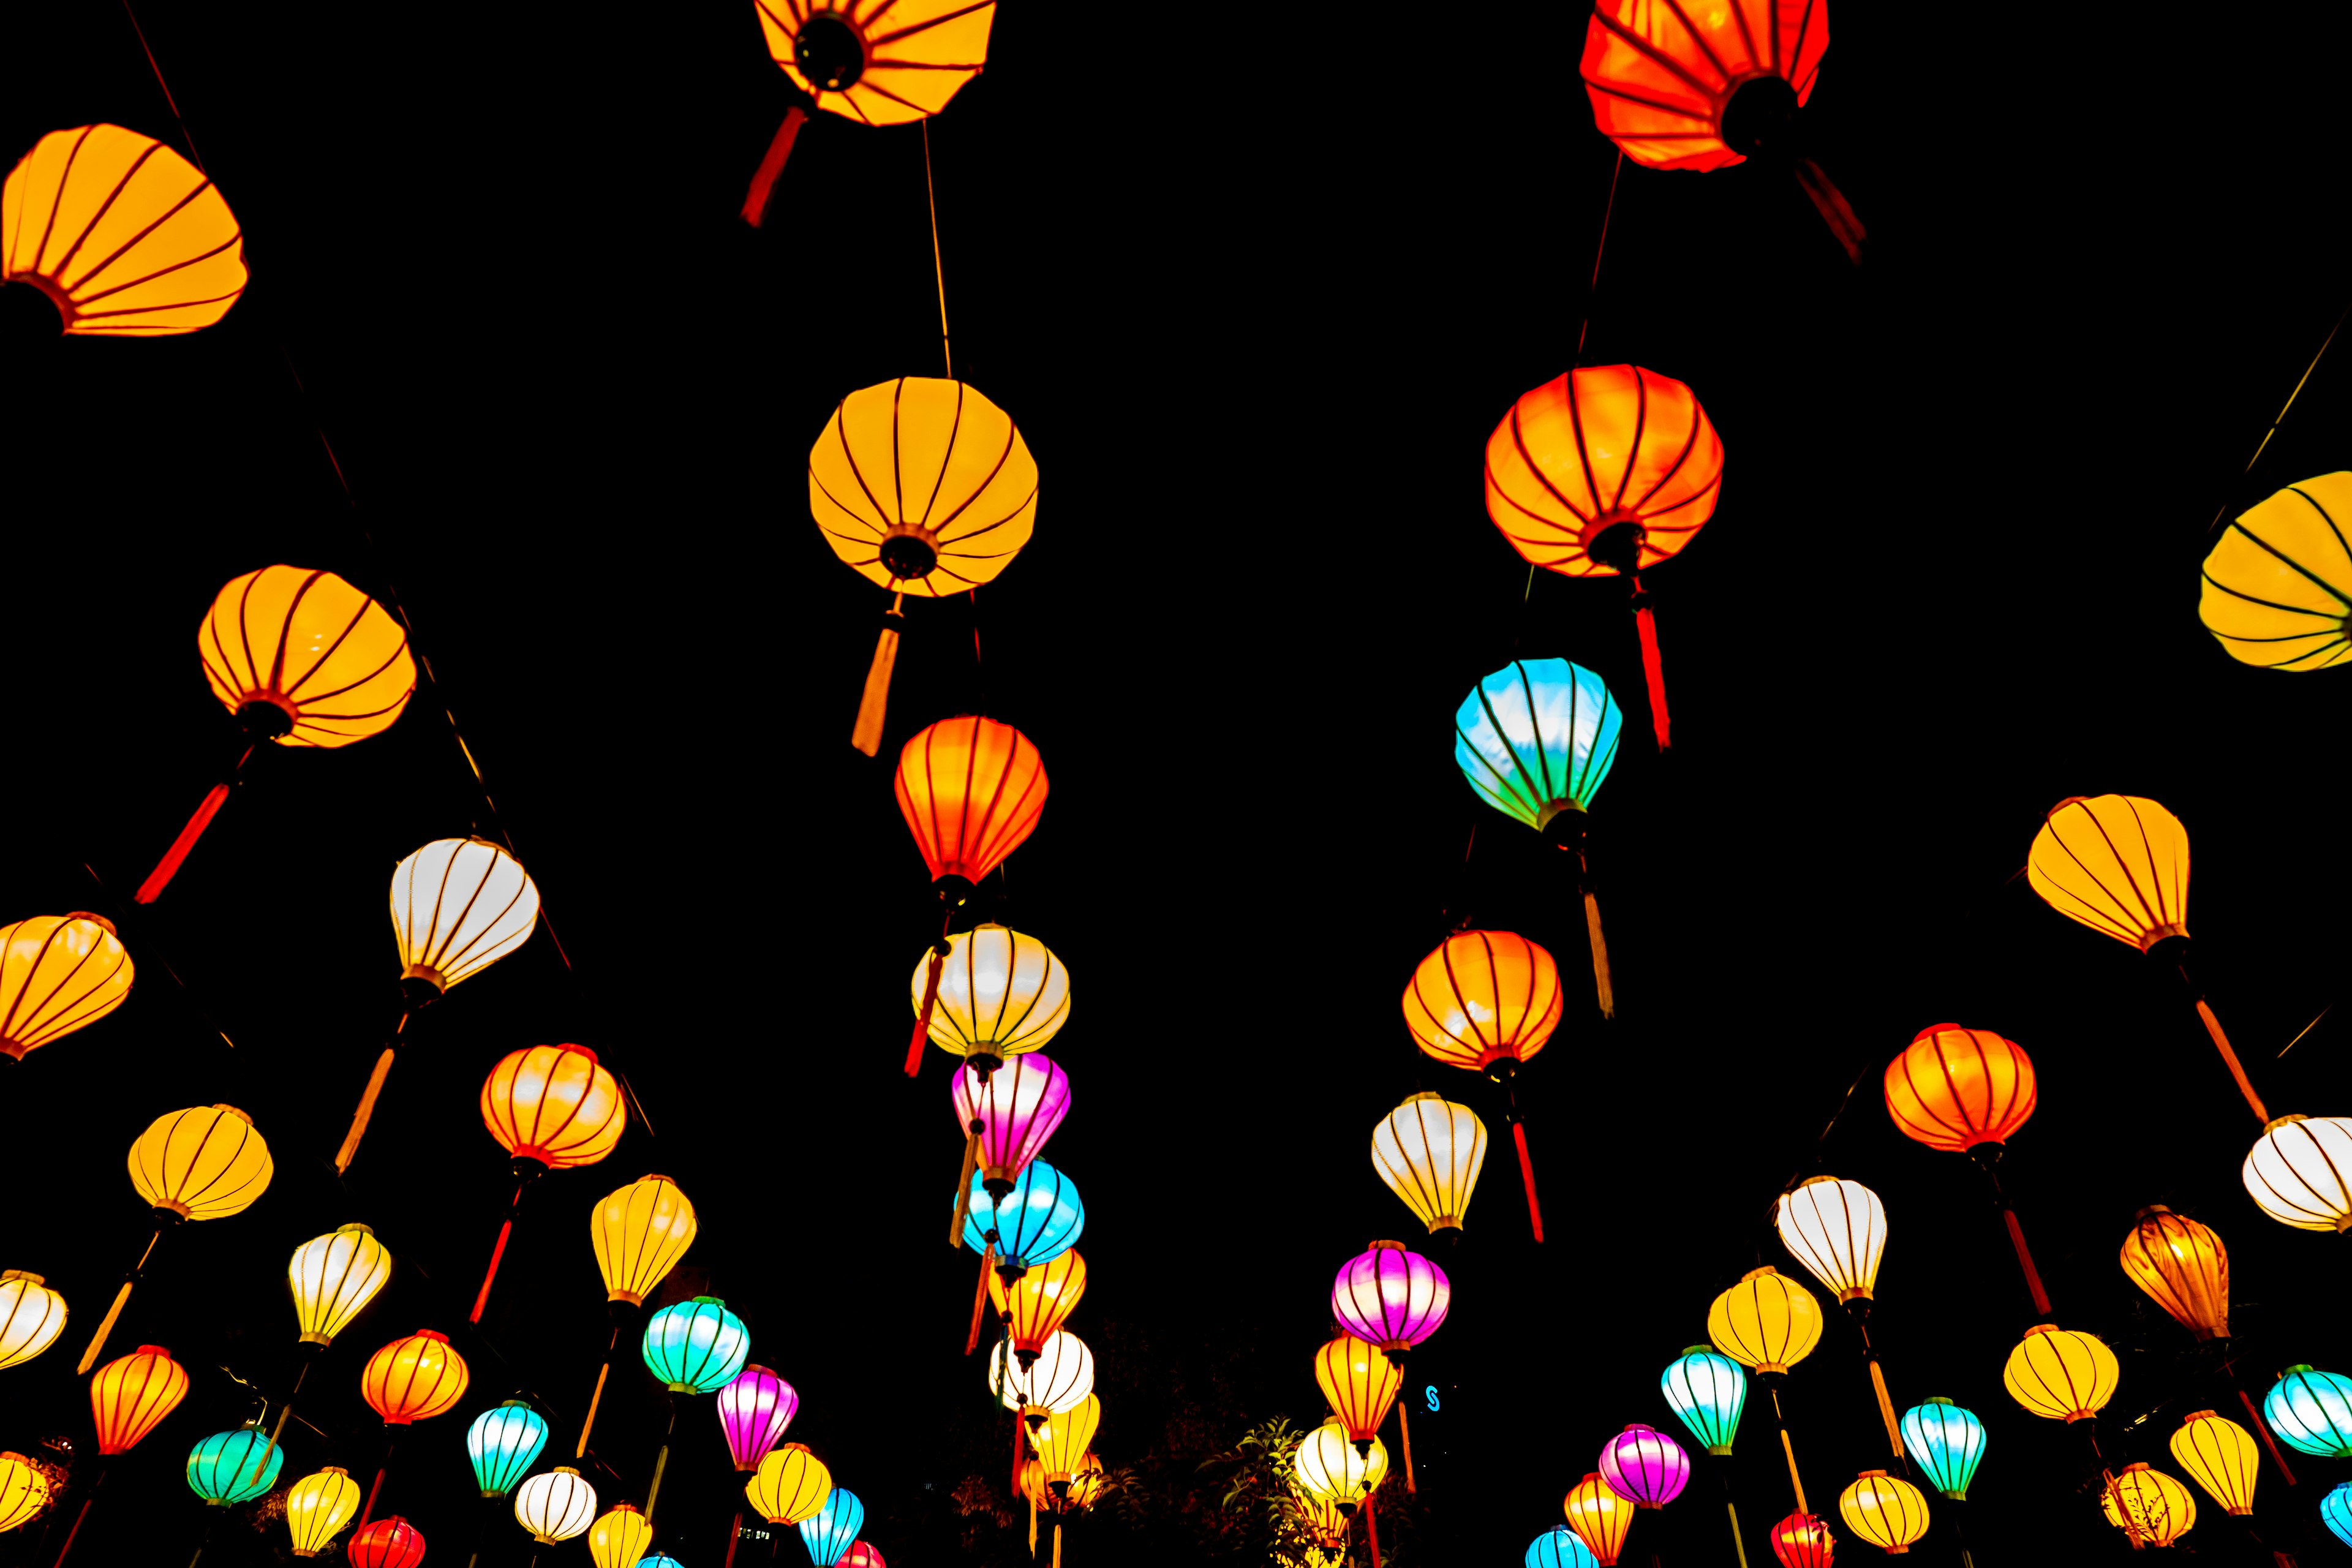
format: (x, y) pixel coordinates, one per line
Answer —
(1528, 1174)
(1372, 1528)
(732, 1536)
(1831, 203)
(2025, 1261)
(1652, 670)
(755, 202)
(169, 867)
(1016, 1453)
(498, 1252)
(923, 1020)
(2254, 1417)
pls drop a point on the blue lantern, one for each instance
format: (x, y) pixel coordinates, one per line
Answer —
(1947, 1441)
(659, 1560)
(698, 1346)
(1707, 1390)
(1535, 738)
(831, 1531)
(1040, 1220)
(503, 1444)
(1560, 1548)
(2335, 1510)
(2311, 1412)
(233, 1466)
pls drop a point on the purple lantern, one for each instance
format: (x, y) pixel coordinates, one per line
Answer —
(1394, 1297)
(1010, 1113)
(1644, 1466)
(754, 1411)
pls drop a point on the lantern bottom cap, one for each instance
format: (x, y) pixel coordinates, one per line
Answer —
(2242, 1513)
(1445, 1222)
(2082, 1415)
(313, 1337)
(2148, 939)
(1720, 1449)
(1859, 1293)
(176, 1208)
(630, 1297)
(12, 1050)
(425, 971)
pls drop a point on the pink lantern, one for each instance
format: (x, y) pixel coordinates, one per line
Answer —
(861, 1556)
(1394, 1297)
(1010, 1113)
(1645, 1467)
(754, 1411)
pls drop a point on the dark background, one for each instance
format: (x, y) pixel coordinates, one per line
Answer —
(1256, 287)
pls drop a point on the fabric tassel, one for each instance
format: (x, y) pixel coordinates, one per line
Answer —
(737, 1534)
(923, 1018)
(1738, 1543)
(350, 1151)
(755, 200)
(2025, 1261)
(963, 1193)
(1404, 1430)
(1886, 1409)
(597, 1398)
(1372, 1528)
(1527, 1175)
(1653, 671)
(1600, 986)
(979, 1300)
(867, 734)
(1781, 1425)
(1831, 203)
(1016, 1453)
(106, 1327)
(169, 867)
(1057, 1543)
(2229, 1058)
(1033, 1527)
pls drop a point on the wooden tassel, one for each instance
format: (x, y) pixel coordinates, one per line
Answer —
(1057, 1543)
(923, 1018)
(1738, 1543)
(979, 1300)
(1404, 1430)
(963, 1193)
(1527, 1175)
(867, 735)
(169, 867)
(344, 1155)
(98, 1340)
(2025, 1261)
(597, 1398)
(1601, 988)
(1652, 672)
(1836, 212)
(1886, 1409)
(1372, 1528)
(755, 200)
(1781, 1425)
(2254, 1419)
(2230, 1057)
(1033, 1527)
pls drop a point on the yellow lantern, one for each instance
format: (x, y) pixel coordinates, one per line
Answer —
(2276, 580)
(414, 1378)
(1600, 1517)
(2299, 1171)
(1000, 993)
(24, 1490)
(318, 1505)
(2148, 1504)
(1062, 1443)
(459, 905)
(2184, 1268)
(621, 1537)
(57, 974)
(1089, 1484)
(1837, 1229)
(1319, 1516)
(129, 1395)
(2220, 1456)
(334, 1278)
(1359, 1383)
(555, 1506)
(1768, 1323)
(556, 1107)
(32, 1316)
(305, 659)
(640, 1232)
(1327, 1464)
(2061, 1373)
(1885, 1510)
(790, 1485)
(1429, 1151)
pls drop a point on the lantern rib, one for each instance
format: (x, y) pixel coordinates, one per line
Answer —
(327, 657)
(1662, 108)
(128, 244)
(1700, 38)
(122, 183)
(1748, 35)
(1583, 451)
(82, 313)
(1012, 440)
(1519, 441)
(57, 190)
(1690, 443)
(1531, 799)
(1641, 423)
(925, 26)
(2334, 592)
(1668, 63)
(841, 433)
(285, 631)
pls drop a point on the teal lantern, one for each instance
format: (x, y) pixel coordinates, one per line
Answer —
(1560, 1548)
(659, 1560)
(698, 1346)
(1040, 1220)
(1707, 1390)
(2335, 1510)
(504, 1442)
(831, 1531)
(2311, 1412)
(1536, 737)
(1947, 1441)
(233, 1466)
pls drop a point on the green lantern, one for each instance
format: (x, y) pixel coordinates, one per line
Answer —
(698, 1346)
(233, 1466)
(1707, 1390)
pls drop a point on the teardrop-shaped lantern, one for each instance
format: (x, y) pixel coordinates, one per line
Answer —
(1644, 1465)
(32, 1316)
(59, 974)
(2116, 863)
(972, 791)
(1429, 1150)
(1062, 1443)
(1768, 1323)
(640, 1232)
(502, 1444)
(1033, 1306)
(2299, 1171)
(203, 1163)
(459, 905)
(1481, 998)
(1600, 1516)
(876, 61)
(1010, 1113)
(233, 1466)
(318, 1507)
(620, 1538)
(414, 1378)
(696, 1346)
(129, 1395)
(334, 1278)
(2220, 1456)
(830, 1530)
(2278, 583)
(1663, 80)
(556, 1505)
(1359, 1384)
(2062, 1374)
(2152, 1507)
(790, 1485)
(1837, 1229)
(1885, 1510)
(753, 1412)
(1946, 1442)
(24, 1490)
(331, 664)
(1390, 1296)
(1038, 1221)
(1329, 1465)
(1953, 1089)
(2184, 1268)
(1707, 1391)
(1000, 993)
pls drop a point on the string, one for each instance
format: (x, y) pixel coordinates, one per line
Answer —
(1593, 290)
(939, 271)
(2300, 1033)
(194, 156)
(2265, 441)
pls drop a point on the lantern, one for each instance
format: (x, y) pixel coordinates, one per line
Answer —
(1062, 1374)
(334, 1278)
(1946, 1442)
(2220, 1456)
(1645, 1466)
(2299, 1171)
(1359, 1384)
(205, 1163)
(125, 236)
(1394, 1297)
(2276, 582)
(1318, 1515)
(790, 1485)
(2061, 1373)
(1088, 1485)
(318, 1505)
(2148, 1504)
(1429, 1151)
(1837, 1229)
(1560, 1547)
(390, 1542)
(1598, 1516)
(659, 1560)
(1885, 1510)
(1957, 1089)
(830, 1530)
(555, 1505)
(1035, 1223)
(1329, 1466)
(24, 1490)
(1062, 1443)
(32, 1316)
(1768, 1323)
(862, 1554)
(502, 1444)
(1483, 998)
(129, 1395)
(2184, 1268)
(1033, 1306)
(233, 1466)
(57, 974)
(2311, 1411)
(1000, 993)
(972, 791)
(621, 1537)
(1803, 1541)
(640, 1232)
(1706, 1391)
(696, 1346)
(754, 1411)
(1010, 1113)
(414, 1378)
(554, 1105)
(2335, 1510)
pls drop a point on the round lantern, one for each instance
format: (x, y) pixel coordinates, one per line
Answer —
(2150, 1504)
(1700, 87)
(1010, 1113)
(2276, 582)
(1037, 1222)
(414, 1378)
(830, 1530)
(640, 1232)
(32, 1316)
(554, 1105)
(1644, 1465)
(1837, 1229)
(621, 1537)
(862, 1554)
(1598, 1516)
(1768, 1323)
(1034, 1306)
(59, 974)
(318, 1507)
(334, 1278)
(2300, 1172)
(128, 1397)
(555, 1505)
(1000, 993)
(1803, 1541)
(1483, 998)
(972, 791)
(1429, 1151)
(923, 486)
(790, 1485)
(2335, 1511)
(1885, 1510)
(1955, 1088)
(1604, 471)
(1359, 1383)
(1318, 1515)
(754, 1411)
(125, 236)
(2220, 1456)
(390, 1542)
(2184, 1268)
(1062, 1374)
(205, 1163)
(879, 64)
(1062, 1443)
(1560, 1547)
(2311, 1411)
(503, 1443)
(1391, 1297)
(1329, 1465)
(696, 1346)
(1946, 1442)
(233, 1466)
(24, 1490)
(1706, 1391)
(2061, 1373)
(305, 659)
(459, 905)
(1536, 741)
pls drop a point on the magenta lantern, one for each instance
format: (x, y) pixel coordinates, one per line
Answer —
(861, 1555)
(754, 1411)
(1645, 1467)
(1394, 1297)
(1013, 1111)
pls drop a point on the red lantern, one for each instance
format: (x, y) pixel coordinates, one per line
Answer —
(390, 1542)
(129, 1395)
(1803, 1541)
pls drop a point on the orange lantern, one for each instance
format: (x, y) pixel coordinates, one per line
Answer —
(1602, 472)
(1034, 1306)
(57, 974)
(125, 236)
(1359, 1383)
(553, 1108)
(1966, 1090)
(129, 1395)
(1486, 1000)
(412, 1379)
(1598, 1516)
(2184, 1268)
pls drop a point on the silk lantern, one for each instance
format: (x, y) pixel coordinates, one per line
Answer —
(2184, 1268)
(696, 1346)
(1803, 1541)
(2299, 1171)
(1965, 1092)
(1606, 471)
(552, 1108)
(126, 237)
(390, 1543)
(1645, 1466)
(414, 1379)
(1327, 1464)
(1946, 1442)
(640, 1232)
(1035, 1305)
(1000, 993)
(2311, 1411)
(233, 1466)
(1768, 1323)
(1007, 1115)
(332, 1278)
(2148, 1504)
(1837, 1229)
(2062, 1374)
(620, 1537)
(32, 1316)
(1598, 1516)
(502, 1444)
(1885, 1510)
(318, 1507)
(1041, 1218)
(1359, 1384)
(1560, 1547)
(24, 1490)
(2220, 1456)
(2335, 1511)
(2278, 583)
(1061, 1376)
(862, 1554)
(1488, 1001)
(1317, 1515)
(1063, 1441)
(1390, 1296)
(830, 1530)
(1706, 1391)
(555, 1505)
(1429, 1150)
(790, 1485)
(1536, 740)
(754, 1411)
(59, 974)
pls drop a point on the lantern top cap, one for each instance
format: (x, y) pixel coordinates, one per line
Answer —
(623, 1508)
(505, 1402)
(96, 920)
(1429, 1094)
(2136, 1465)
(1700, 1349)
(1934, 1399)
(1595, 1476)
(2151, 1209)
(355, 1227)
(159, 1350)
(649, 1176)
(241, 1116)
(1815, 1180)
(21, 1274)
(1758, 1273)
(337, 1470)
(1865, 1474)
(436, 1335)
(6, 1454)
(1375, 1246)
(795, 1449)
(2299, 1367)
(2283, 1121)
(2070, 800)
(1935, 1029)
(564, 1470)
(705, 1301)
(580, 1051)
(2197, 1416)
(2041, 1328)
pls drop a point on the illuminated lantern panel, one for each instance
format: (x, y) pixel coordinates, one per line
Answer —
(1536, 738)
(1062, 1375)
(861, 1554)
(24, 1490)
(2117, 863)
(2220, 1456)
(555, 1506)
(2335, 1510)
(1037, 1222)
(334, 1278)
(1062, 1443)
(1560, 1547)
(831, 1531)
(1953, 1089)
(1482, 996)
(1604, 471)
(621, 1537)
(459, 905)
(1946, 1442)
(415, 1378)
(1429, 1150)
(1359, 1384)
(2149, 1503)
(59, 974)
(2184, 1268)
(923, 486)
(754, 1411)
(881, 62)
(1034, 1306)
(2277, 580)
(2300, 1172)
(554, 1104)
(233, 1466)
(2061, 1373)
(640, 1232)
(1598, 1516)
(1803, 1541)
(1662, 78)
(1645, 1465)
(972, 791)
(305, 658)
(32, 1316)
(696, 1346)
(203, 1163)
(1837, 1229)
(1707, 1392)
(790, 1485)
(318, 1507)
(391, 1542)
(1768, 1323)
(1390, 1296)
(1329, 1465)
(1885, 1510)
(1000, 993)
(129, 1395)
(502, 1444)
(2311, 1411)
(1015, 1109)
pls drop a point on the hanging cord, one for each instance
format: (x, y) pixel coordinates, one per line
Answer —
(1593, 290)
(2261, 446)
(939, 269)
(2283, 1049)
